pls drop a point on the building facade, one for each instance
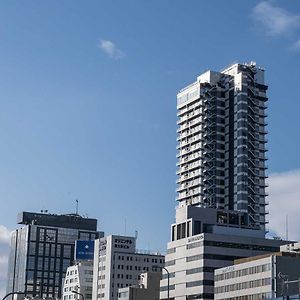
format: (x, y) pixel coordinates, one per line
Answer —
(118, 264)
(42, 250)
(147, 289)
(203, 240)
(257, 278)
(222, 142)
(221, 213)
(79, 278)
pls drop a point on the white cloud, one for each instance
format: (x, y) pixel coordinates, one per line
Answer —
(4, 234)
(110, 49)
(275, 21)
(296, 45)
(284, 199)
(4, 252)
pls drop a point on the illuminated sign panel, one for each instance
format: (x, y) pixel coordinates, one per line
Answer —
(84, 250)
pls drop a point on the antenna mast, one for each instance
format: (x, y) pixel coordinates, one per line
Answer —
(76, 206)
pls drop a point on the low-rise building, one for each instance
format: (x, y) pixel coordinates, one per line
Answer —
(259, 277)
(79, 278)
(118, 264)
(147, 289)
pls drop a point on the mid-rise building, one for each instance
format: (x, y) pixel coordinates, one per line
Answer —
(205, 239)
(42, 250)
(79, 278)
(260, 277)
(118, 264)
(221, 213)
(147, 289)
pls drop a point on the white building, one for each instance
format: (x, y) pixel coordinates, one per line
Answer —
(204, 239)
(147, 289)
(79, 278)
(118, 264)
(221, 195)
(222, 142)
(260, 277)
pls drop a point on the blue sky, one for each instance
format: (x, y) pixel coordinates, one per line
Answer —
(88, 101)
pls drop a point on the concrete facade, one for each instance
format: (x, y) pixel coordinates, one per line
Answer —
(222, 142)
(118, 264)
(257, 278)
(203, 244)
(79, 278)
(147, 289)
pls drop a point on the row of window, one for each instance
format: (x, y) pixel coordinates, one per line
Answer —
(231, 245)
(199, 283)
(70, 289)
(71, 280)
(72, 296)
(136, 268)
(259, 296)
(191, 271)
(127, 276)
(189, 284)
(72, 272)
(145, 259)
(243, 272)
(243, 285)
(36, 288)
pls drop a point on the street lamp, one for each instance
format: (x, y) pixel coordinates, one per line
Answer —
(81, 295)
(13, 293)
(168, 274)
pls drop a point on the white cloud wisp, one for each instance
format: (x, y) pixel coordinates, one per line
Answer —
(275, 21)
(284, 199)
(110, 49)
(4, 252)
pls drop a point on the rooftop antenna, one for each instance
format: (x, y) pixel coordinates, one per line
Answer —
(76, 206)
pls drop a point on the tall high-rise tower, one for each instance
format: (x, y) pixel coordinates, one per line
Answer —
(221, 180)
(221, 142)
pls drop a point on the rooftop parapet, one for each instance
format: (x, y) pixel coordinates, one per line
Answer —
(73, 221)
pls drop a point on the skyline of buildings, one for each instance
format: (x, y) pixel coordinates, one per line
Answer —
(79, 122)
(221, 212)
(42, 250)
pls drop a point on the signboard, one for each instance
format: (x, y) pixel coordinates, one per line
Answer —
(84, 250)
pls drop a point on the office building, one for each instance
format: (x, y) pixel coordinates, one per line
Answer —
(42, 250)
(205, 239)
(118, 264)
(79, 278)
(260, 277)
(147, 289)
(221, 213)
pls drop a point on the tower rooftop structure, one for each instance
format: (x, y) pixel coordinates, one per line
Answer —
(74, 221)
